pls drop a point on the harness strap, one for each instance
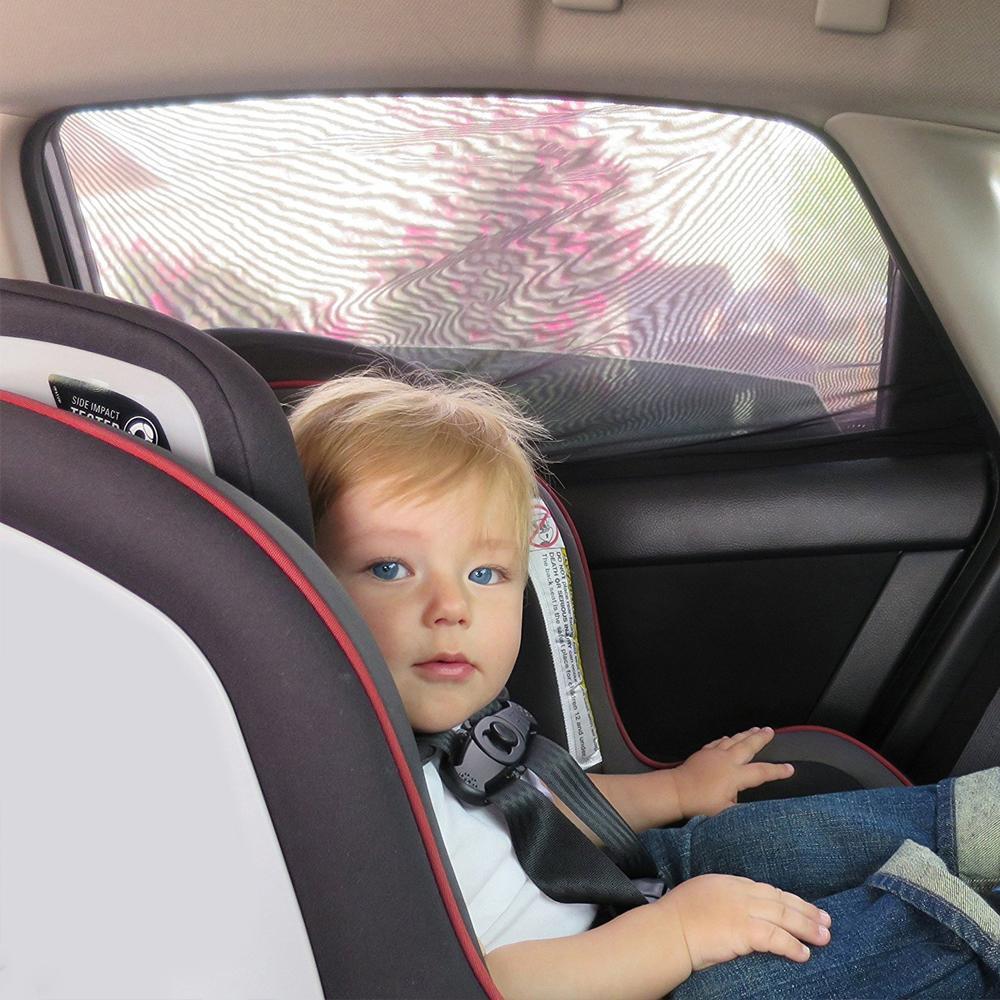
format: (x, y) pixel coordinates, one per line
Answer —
(560, 771)
(483, 761)
(557, 856)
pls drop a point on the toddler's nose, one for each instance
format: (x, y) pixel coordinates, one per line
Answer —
(447, 605)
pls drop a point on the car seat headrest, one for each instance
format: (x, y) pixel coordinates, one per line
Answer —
(155, 378)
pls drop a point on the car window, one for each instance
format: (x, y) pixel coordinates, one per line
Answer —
(642, 275)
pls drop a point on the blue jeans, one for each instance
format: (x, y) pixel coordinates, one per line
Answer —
(900, 870)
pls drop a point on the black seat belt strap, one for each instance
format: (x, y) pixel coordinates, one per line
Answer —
(561, 773)
(557, 856)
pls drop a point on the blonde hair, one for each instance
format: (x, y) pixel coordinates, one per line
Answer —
(419, 437)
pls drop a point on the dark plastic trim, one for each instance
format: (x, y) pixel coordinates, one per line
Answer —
(868, 505)
(946, 653)
(914, 586)
(54, 207)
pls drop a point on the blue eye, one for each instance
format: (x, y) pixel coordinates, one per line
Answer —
(484, 575)
(389, 570)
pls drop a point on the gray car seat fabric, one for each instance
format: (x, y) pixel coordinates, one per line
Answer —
(825, 760)
(234, 797)
(199, 391)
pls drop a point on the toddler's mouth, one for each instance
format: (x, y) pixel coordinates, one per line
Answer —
(446, 667)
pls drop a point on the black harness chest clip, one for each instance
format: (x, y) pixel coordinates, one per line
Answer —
(488, 753)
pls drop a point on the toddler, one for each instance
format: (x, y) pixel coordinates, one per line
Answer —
(422, 495)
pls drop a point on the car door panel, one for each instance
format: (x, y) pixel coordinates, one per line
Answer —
(769, 597)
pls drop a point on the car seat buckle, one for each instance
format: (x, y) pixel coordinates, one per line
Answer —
(490, 753)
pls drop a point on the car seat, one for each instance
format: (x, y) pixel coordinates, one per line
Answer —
(208, 781)
(825, 759)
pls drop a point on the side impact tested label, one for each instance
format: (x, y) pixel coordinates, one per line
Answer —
(105, 406)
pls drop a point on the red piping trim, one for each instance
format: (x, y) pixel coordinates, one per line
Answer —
(639, 755)
(293, 383)
(226, 507)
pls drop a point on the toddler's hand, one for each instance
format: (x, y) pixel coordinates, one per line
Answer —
(724, 916)
(709, 780)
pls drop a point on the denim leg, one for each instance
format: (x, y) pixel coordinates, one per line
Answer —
(895, 868)
(814, 845)
(913, 929)
(822, 844)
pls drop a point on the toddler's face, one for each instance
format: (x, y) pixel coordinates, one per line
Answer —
(440, 584)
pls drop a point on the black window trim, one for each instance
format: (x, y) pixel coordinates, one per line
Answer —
(55, 208)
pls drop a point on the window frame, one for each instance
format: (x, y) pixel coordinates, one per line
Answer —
(70, 261)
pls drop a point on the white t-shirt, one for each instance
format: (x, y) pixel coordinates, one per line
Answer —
(504, 904)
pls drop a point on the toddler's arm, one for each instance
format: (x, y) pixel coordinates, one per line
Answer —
(644, 800)
(648, 951)
(705, 784)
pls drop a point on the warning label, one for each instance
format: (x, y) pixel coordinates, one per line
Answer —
(548, 567)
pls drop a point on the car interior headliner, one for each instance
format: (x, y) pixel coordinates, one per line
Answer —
(934, 61)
